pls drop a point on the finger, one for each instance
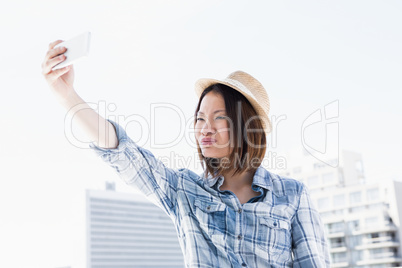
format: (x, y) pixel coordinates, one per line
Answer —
(48, 65)
(51, 53)
(59, 72)
(47, 68)
(53, 44)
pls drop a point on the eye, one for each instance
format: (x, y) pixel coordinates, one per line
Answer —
(221, 117)
(199, 119)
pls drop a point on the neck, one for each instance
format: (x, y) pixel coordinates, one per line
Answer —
(237, 181)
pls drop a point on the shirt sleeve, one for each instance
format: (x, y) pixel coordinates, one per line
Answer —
(310, 248)
(138, 167)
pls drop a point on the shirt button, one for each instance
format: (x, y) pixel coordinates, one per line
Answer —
(239, 210)
(275, 224)
(239, 237)
(208, 207)
(243, 264)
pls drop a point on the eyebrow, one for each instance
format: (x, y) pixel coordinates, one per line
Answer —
(217, 111)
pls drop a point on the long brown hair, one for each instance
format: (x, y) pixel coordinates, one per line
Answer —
(247, 135)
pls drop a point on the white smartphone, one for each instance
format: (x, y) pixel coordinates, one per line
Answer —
(77, 49)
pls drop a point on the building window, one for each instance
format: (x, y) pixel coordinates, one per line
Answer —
(355, 197)
(373, 194)
(339, 200)
(326, 214)
(388, 220)
(354, 241)
(374, 237)
(379, 206)
(341, 178)
(371, 222)
(339, 257)
(297, 170)
(314, 191)
(328, 178)
(357, 256)
(358, 209)
(318, 165)
(337, 242)
(359, 166)
(330, 189)
(338, 212)
(335, 227)
(354, 225)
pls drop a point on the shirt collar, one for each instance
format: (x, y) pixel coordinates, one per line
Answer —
(262, 178)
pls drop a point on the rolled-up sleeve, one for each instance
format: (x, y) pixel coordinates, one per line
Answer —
(138, 167)
(310, 247)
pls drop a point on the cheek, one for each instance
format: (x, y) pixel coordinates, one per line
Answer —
(226, 136)
(197, 127)
(224, 131)
(197, 133)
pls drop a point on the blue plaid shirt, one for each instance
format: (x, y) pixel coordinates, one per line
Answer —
(278, 228)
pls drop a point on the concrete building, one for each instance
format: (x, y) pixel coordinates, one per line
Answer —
(126, 230)
(362, 220)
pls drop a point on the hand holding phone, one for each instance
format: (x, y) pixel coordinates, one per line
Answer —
(77, 49)
(57, 69)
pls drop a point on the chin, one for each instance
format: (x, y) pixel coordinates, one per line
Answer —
(208, 155)
(213, 155)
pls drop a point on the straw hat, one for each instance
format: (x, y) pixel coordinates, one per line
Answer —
(249, 87)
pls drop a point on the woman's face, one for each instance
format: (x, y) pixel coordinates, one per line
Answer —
(212, 127)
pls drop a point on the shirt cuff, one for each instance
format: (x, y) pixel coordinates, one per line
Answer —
(121, 137)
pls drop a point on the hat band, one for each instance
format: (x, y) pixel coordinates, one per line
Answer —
(238, 85)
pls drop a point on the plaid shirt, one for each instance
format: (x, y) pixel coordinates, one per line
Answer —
(278, 228)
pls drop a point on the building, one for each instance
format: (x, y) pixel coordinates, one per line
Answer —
(362, 220)
(126, 230)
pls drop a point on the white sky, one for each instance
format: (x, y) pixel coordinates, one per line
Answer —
(307, 54)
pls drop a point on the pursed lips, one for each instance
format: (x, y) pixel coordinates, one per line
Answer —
(208, 141)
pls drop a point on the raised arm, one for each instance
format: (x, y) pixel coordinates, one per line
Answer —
(135, 165)
(60, 81)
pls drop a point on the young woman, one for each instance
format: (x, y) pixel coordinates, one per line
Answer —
(234, 214)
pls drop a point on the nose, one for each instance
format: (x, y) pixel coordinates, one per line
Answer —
(208, 128)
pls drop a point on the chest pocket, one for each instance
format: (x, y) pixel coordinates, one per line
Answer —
(211, 216)
(273, 235)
